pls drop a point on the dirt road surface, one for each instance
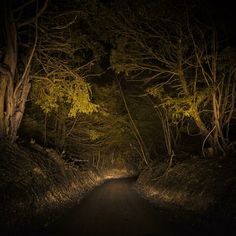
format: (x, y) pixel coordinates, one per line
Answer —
(113, 209)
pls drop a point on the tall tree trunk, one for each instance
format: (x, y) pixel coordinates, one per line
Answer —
(3, 87)
(142, 145)
(195, 114)
(8, 69)
(14, 89)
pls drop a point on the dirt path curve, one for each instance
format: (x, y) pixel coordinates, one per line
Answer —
(114, 208)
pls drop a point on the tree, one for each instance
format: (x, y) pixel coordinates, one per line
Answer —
(63, 61)
(177, 59)
(16, 63)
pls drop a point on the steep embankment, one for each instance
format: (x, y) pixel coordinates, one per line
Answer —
(199, 185)
(36, 184)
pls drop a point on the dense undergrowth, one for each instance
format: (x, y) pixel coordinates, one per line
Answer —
(36, 184)
(200, 185)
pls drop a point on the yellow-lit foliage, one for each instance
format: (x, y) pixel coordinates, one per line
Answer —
(180, 107)
(95, 134)
(78, 95)
(75, 94)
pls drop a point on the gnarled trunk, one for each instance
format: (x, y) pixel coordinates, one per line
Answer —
(195, 114)
(12, 104)
(13, 89)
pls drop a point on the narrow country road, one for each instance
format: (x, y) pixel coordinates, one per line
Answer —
(114, 208)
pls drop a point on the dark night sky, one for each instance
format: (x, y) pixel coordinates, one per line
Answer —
(222, 12)
(224, 15)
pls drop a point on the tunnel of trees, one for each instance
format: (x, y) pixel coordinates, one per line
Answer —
(115, 84)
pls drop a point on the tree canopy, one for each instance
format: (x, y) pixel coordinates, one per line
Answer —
(109, 75)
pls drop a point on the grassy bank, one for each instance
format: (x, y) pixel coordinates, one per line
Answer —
(197, 184)
(36, 184)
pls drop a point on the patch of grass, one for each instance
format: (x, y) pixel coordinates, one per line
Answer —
(199, 185)
(35, 183)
